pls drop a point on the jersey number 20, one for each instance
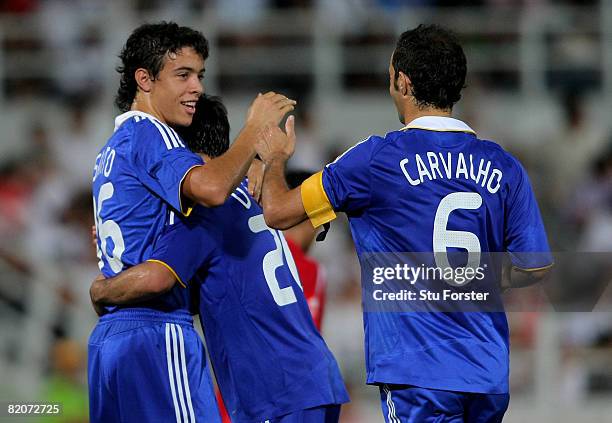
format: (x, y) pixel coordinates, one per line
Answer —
(275, 259)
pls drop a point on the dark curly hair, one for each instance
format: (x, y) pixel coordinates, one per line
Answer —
(209, 130)
(147, 48)
(435, 63)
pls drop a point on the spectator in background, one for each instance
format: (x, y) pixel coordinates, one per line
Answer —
(591, 206)
(564, 166)
(575, 147)
(75, 145)
(73, 35)
(19, 179)
(15, 191)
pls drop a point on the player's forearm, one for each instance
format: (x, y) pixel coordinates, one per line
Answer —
(134, 285)
(520, 278)
(214, 182)
(282, 207)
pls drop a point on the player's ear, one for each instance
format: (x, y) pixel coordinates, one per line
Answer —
(143, 79)
(404, 85)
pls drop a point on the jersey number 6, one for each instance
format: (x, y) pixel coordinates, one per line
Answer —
(108, 229)
(444, 238)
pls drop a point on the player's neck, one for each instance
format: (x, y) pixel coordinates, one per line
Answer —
(412, 113)
(142, 104)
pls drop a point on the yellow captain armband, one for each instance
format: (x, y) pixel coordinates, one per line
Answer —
(315, 201)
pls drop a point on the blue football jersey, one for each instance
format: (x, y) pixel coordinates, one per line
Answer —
(427, 188)
(136, 190)
(268, 357)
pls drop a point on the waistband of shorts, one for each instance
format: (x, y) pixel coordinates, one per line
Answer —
(149, 315)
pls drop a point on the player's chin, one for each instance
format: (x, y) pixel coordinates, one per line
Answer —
(184, 119)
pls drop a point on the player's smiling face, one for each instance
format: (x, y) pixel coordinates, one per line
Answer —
(177, 87)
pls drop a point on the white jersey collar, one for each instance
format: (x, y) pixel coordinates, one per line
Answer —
(439, 123)
(120, 120)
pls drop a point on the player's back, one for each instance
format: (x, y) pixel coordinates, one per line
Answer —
(136, 188)
(435, 187)
(419, 175)
(269, 358)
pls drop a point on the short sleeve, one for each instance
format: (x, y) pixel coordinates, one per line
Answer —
(184, 248)
(347, 181)
(525, 236)
(161, 160)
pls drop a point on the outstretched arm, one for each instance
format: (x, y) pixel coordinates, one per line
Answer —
(136, 284)
(211, 184)
(283, 207)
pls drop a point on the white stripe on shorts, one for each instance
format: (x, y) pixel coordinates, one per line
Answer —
(177, 373)
(185, 378)
(391, 406)
(171, 374)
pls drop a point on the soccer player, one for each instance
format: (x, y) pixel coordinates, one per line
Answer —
(300, 239)
(430, 187)
(146, 363)
(270, 361)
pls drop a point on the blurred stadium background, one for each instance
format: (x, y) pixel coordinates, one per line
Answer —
(539, 83)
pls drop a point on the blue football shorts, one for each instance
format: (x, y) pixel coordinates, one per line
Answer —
(408, 404)
(148, 366)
